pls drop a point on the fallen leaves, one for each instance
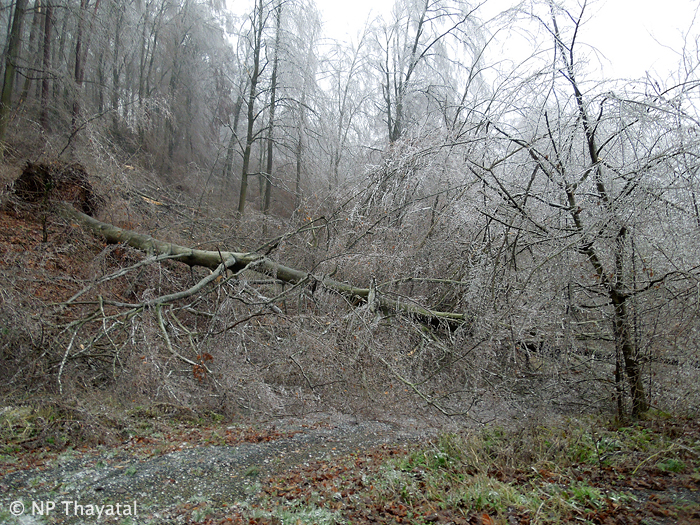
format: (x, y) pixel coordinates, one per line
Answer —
(357, 488)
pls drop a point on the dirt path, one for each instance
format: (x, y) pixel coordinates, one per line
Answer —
(79, 482)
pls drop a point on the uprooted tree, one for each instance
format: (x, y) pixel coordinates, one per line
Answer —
(119, 315)
(540, 216)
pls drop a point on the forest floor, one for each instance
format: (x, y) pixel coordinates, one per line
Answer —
(330, 469)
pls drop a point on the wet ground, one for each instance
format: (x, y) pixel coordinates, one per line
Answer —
(86, 486)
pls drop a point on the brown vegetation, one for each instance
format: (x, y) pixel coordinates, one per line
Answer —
(441, 240)
(47, 183)
(241, 340)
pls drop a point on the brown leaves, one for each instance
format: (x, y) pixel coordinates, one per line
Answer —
(357, 489)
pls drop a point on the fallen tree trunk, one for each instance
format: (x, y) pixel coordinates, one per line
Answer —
(257, 262)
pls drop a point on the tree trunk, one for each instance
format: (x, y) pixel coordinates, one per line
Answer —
(45, 85)
(613, 282)
(258, 26)
(299, 149)
(79, 69)
(13, 53)
(82, 43)
(253, 261)
(623, 339)
(231, 148)
(58, 59)
(116, 70)
(273, 101)
(31, 52)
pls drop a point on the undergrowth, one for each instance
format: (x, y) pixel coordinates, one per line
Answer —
(576, 470)
(571, 470)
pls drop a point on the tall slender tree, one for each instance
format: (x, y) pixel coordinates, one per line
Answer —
(11, 59)
(86, 22)
(273, 105)
(46, 65)
(413, 54)
(256, 42)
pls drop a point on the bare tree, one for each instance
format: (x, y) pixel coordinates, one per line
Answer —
(82, 45)
(576, 179)
(256, 42)
(46, 65)
(412, 48)
(11, 59)
(349, 73)
(271, 112)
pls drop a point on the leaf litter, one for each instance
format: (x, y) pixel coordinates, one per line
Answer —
(331, 471)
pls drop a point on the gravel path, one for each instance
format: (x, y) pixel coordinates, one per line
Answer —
(79, 483)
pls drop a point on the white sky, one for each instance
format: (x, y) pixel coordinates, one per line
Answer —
(633, 36)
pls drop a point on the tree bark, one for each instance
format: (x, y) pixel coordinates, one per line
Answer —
(30, 53)
(13, 52)
(45, 86)
(254, 261)
(273, 102)
(116, 69)
(258, 26)
(82, 43)
(233, 140)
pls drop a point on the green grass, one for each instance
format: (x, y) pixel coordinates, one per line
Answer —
(671, 465)
(569, 470)
(299, 514)
(541, 471)
(252, 471)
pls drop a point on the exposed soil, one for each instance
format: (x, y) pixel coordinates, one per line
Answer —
(42, 183)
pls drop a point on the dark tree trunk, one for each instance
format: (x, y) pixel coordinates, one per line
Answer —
(46, 73)
(31, 51)
(11, 58)
(82, 43)
(258, 26)
(271, 124)
(230, 150)
(116, 70)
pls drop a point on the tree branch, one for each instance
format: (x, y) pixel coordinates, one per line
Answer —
(240, 261)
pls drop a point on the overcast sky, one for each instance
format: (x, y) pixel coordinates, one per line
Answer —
(634, 36)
